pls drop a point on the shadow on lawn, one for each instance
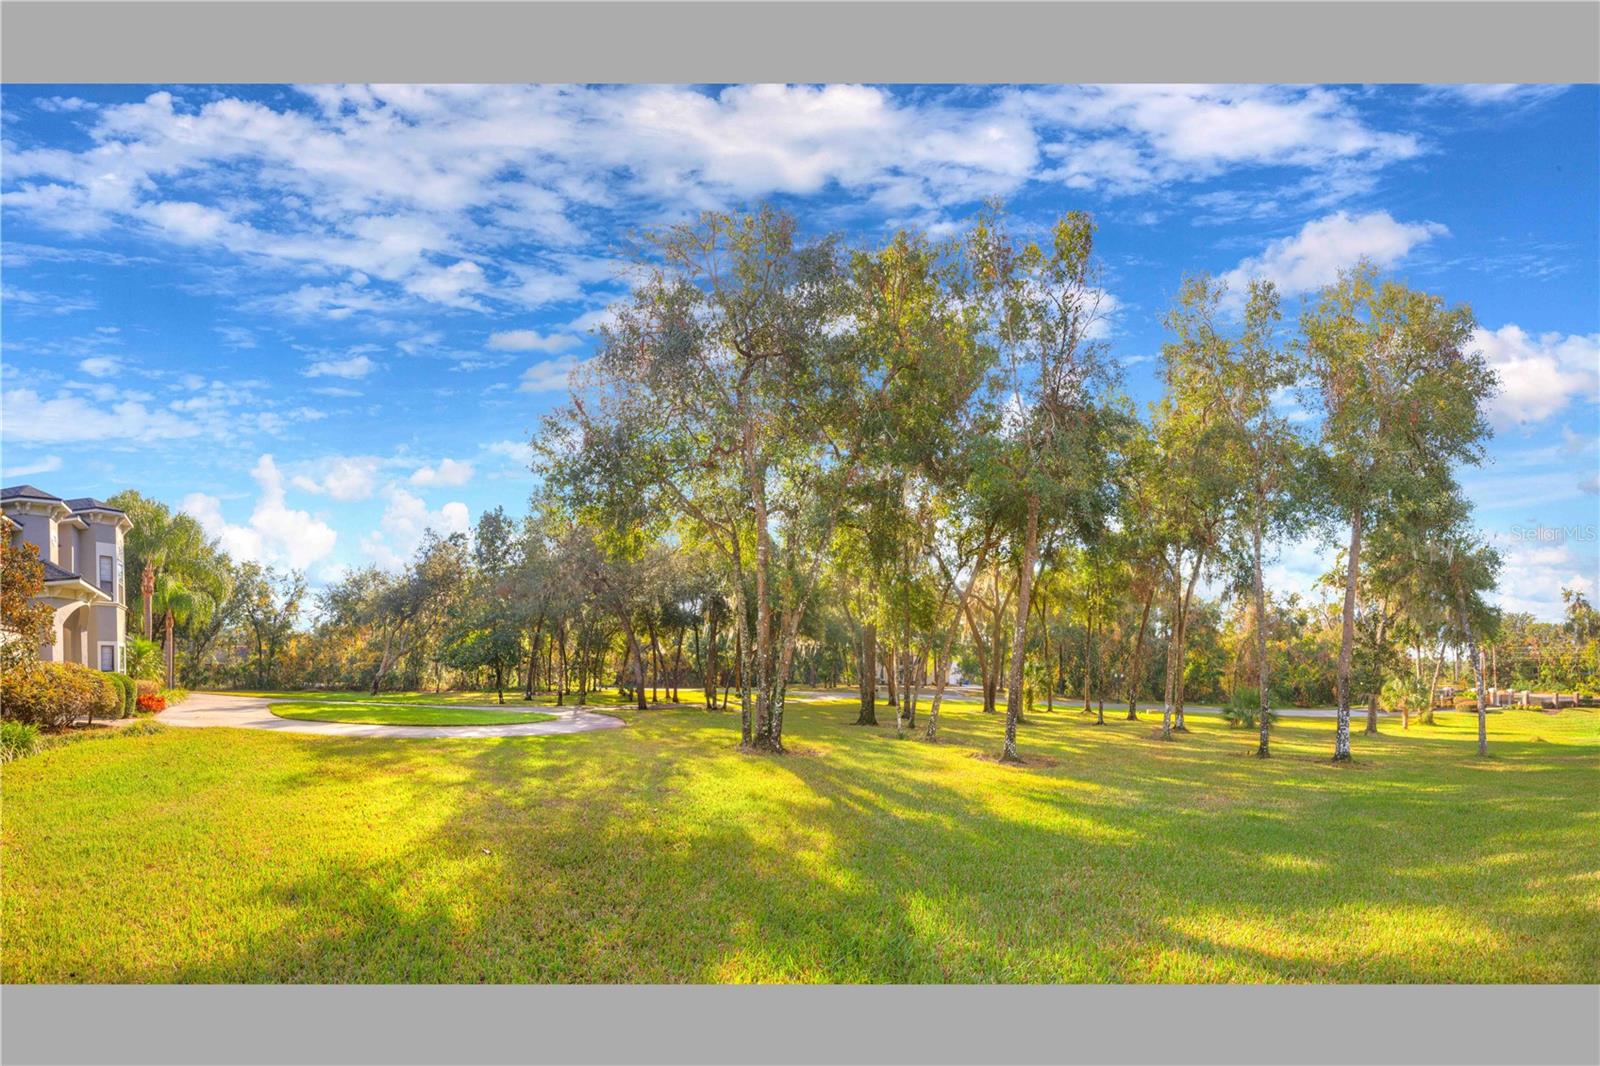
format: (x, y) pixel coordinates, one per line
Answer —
(654, 853)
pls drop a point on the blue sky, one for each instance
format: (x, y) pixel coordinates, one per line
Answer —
(325, 318)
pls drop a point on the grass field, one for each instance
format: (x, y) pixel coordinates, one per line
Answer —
(403, 714)
(660, 853)
(605, 698)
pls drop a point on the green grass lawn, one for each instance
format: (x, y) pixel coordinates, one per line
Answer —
(403, 714)
(660, 853)
(599, 698)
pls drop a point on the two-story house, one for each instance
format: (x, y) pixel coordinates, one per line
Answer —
(80, 543)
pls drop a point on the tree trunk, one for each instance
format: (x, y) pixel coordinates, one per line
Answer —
(172, 669)
(1172, 646)
(869, 675)
(1347, 640)
(1372, 697)
(147, 591)
(1019, 638)
(561, 664)
(1136, 661)
(1263, 750)
(1475, 656)
(1433, 685)
(762, 738)
(1181, 681)
(981, 647)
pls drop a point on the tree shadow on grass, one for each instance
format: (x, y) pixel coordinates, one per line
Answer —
(660, 853)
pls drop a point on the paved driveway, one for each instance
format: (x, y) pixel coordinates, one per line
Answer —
(250, 712)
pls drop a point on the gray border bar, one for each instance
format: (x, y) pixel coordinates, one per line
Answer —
(789, 40)
(1460, 1025)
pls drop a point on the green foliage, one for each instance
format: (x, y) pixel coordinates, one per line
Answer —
(126, 691)
(25, 625)
(1243, 709)
(1404, 692)
(53, 696)
(17, 739)
(143, 659)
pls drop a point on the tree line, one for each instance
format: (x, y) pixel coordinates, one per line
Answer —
(792, 461)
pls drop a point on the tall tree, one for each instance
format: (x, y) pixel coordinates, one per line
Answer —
(1402, 399)
(1045, 311)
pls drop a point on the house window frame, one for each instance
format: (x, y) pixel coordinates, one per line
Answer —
(100, 655)
(106, 562)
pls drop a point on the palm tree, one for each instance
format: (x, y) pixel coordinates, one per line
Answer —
(184, 576)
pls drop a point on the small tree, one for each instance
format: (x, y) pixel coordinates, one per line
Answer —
(25, 625)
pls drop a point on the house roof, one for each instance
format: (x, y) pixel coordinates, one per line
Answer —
(52, 572)
(26, 492)
(89, 503)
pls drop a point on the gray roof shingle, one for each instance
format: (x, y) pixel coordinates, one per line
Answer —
(89, 503)
(52, 572)
(25, 492)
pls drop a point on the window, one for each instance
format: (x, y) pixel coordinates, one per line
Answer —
(106, 585)
(121, 593)
(108, 656)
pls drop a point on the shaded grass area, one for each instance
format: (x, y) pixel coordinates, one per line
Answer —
(403, 714)
(661, 853)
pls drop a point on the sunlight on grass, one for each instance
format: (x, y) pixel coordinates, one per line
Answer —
(659, 852)
(403, 714)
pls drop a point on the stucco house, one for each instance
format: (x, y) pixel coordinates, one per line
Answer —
(80, 543)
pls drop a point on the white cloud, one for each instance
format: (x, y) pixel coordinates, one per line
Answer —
(1540, 375)
(1131, 137)
(552, 375)
(448, 473)
(404, 521)
(527, 340)
(1537, 562)
(275, 534)
(394, 196)
(100, 366)
(70, 417)
(343, 477)
(518, 451)
(352, 369)
(1313, 257)
(43, 466)
(1498, 94)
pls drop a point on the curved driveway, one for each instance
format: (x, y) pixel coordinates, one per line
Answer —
(250, 712)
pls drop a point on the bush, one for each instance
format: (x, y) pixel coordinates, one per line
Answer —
(143, 687)
(54, 695)
(17, 739)
(151, 702)
(125, 689)
(144, 659)
(174, 696)
(1241, 710)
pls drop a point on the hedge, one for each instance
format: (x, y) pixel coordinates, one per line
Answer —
(54, 695)
(125, 688)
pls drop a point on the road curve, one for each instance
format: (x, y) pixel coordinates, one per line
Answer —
(203, 709)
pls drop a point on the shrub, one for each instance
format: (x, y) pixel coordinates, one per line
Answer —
(17, 739)
(1241, 710)
(126, 691)
(151, 702)
(144, 659)
(144, 687)
(54, 695)
(174, 696)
